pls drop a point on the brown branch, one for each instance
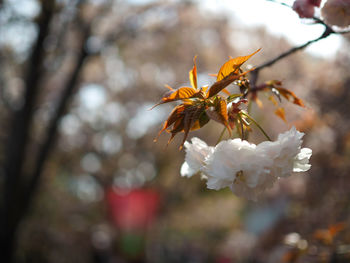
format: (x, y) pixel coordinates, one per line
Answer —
(19, 135)
(53, 125)
(255, 74)
(328, 31)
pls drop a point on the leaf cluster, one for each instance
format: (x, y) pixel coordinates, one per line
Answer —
(200, 105)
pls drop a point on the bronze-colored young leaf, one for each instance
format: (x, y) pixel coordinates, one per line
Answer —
(193, 74)
(281, 113)
(202, 120)
(184, 118)
(218, 86)
(232, 66)
(176, 114)
(273, 100)
(290, 95)
(178, 94)
(192, 114)
(221, 84)
(219, 113)
(177, 127)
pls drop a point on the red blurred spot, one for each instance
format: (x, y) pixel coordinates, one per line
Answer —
(132, 210)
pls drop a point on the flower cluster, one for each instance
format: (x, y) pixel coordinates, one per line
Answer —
(306, 8)
(246, 168)
(337, 12)
(334, 12)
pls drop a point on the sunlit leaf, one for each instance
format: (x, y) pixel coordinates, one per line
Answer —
(281, 113)
(232, 66)
(177, 127)
(221, 84)
(273, 100)
(218, 113)
(202, 120)
(226, 92)
(254, 97)
(233, 97)
(204, 88)
(178, 94)
(176, 114)
(184, 118)
(273, 83)
(168, 87)
(191, 116)
(193, 74)
(290, 95)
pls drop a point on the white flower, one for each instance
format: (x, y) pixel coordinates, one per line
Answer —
(337, 12)
(246, 168)
(282, 152)
(242, 187)
(301, 161)
(196, 153)
(235, 164)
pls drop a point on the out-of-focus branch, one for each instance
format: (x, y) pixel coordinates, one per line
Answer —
(53, 125)
(18, 139)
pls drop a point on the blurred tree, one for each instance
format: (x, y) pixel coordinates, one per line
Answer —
(88, 71)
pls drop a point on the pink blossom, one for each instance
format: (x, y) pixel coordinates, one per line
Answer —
(305, 8)
(337, 12)
(315, 2)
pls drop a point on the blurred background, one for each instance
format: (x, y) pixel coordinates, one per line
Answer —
(81, 179)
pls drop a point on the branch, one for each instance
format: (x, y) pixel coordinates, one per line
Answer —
(328, 31)
(255, 74)
(49, 141)
(19, 135)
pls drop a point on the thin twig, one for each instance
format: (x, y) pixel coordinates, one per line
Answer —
(328, 31)
(257, 124)
(221, 135)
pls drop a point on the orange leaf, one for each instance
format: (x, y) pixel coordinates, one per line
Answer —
(193, 74)
(184, 119)
(327, 235)
(191, 115)
(221, 84)
(202, 120)
(273, 100)
(258, 102)
(289, 94)
(179, 94)
(178, 127)
(232, 66)
(168, 87)
(226, 92)
(175, 115)
(336, 228)
(280, 113)
(219, 113)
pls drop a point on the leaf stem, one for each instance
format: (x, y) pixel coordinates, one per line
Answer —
(221, 135)
(242, 128)
(257, 124)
